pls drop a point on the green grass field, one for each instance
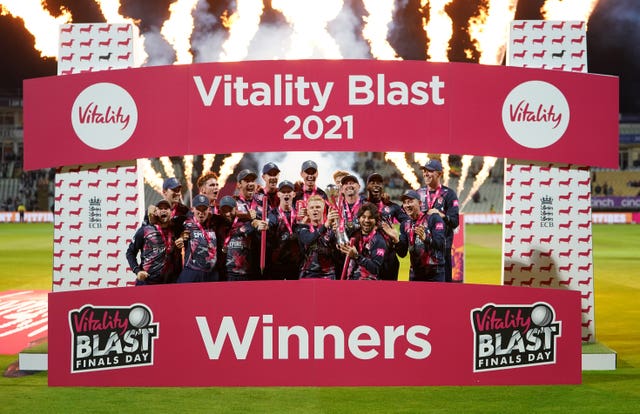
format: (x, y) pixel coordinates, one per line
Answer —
(25, 263)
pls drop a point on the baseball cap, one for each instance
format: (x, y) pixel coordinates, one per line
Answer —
(349, 177)
(162, 201)
(374, 177)
(410, 194)
(270, 166)
(227, 201)
(171, 183)
(285, 183)
(200, 200)
(433, 165)
(309, 164)
(246, 174)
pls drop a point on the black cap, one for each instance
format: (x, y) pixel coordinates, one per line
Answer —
(200, 200)
(309, 164)
(227, 201)
(374, 176)
(270, 166)
(433, 165)
(349, 177)
(162, 201)
(285, 183)
(410, 194)
(171, 183)
(246, 173)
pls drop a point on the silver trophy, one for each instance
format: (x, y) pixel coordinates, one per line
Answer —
(334, 197)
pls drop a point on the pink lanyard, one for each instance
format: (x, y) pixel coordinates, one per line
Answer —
(435, 197)
(284, 218)
(228, 238)
(352, 211)
(411, 230)
(306, 197)
(365, 240)
(206, 237)
(166, 239)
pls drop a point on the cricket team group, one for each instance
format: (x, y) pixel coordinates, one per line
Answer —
(282, 230)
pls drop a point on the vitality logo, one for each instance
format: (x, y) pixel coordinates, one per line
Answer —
(111, 337)
(104, 116)
(514, 336)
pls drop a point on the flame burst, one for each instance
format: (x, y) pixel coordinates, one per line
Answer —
(400, 161)
(151, 176)
(481, 177)
(187, 164)
(490, 30)
(310, 37)
(39, 22)
(464, 171)
(568, 9)
(168, 166)
(439, 29)
(376, 28)
(178, 28)
(109, 9)
(243, 26)
(207, 162)
(228, 165)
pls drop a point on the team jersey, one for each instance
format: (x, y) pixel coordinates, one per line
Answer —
(372, 249)
(349, 215)
(424, 254)
(305, 194)
(283, 244)
(201, 247)
(240, 248)
(445, 200)
(318, 245)
(157, 253)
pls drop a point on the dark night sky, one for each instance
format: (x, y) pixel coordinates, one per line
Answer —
(612, 40)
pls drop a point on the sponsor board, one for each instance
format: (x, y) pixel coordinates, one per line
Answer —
(315, 105)
(314, 333)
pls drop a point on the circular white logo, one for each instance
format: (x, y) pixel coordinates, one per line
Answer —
(535, 114)
(104, 116)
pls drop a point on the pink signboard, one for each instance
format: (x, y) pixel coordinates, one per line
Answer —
(347, 105)
(314, 333)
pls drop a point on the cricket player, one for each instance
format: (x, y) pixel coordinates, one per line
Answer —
(423, 236)
(436, 198)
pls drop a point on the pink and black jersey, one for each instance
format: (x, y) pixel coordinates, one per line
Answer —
(372, 249)
(200, 249)
(318, 244)
(158, 254)
(426, 256)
